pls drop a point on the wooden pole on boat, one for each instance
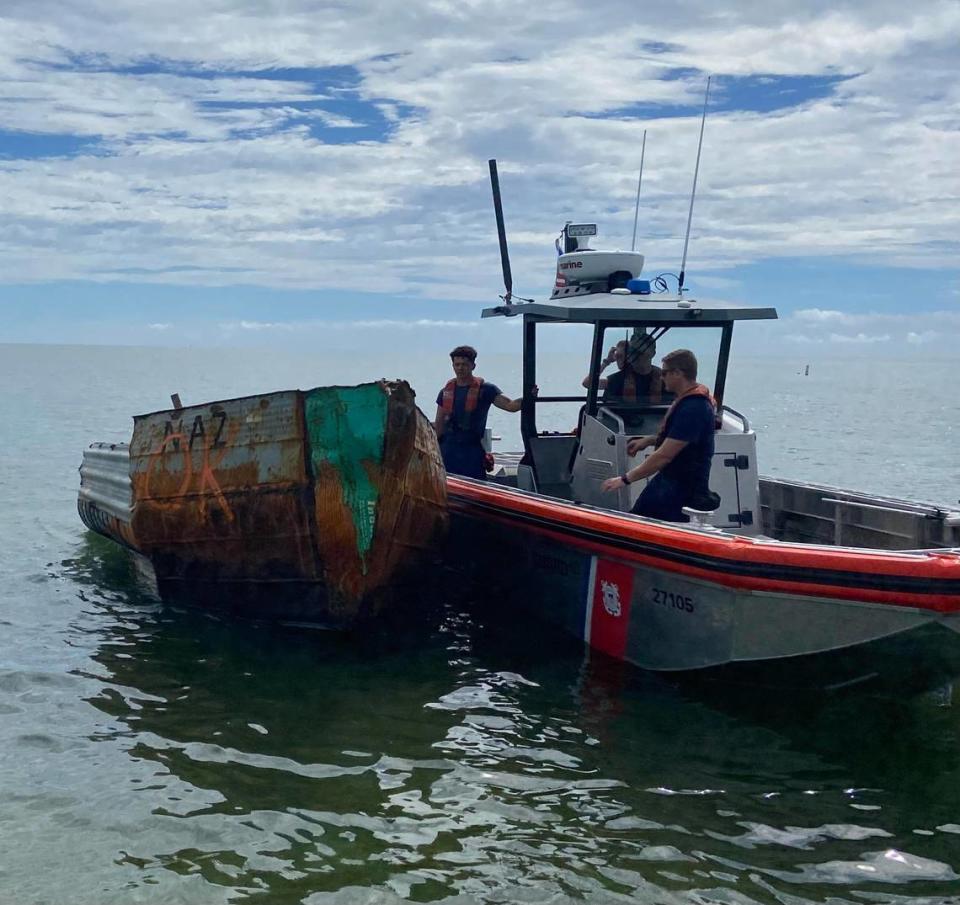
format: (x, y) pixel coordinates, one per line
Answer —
(501, 233)
(636, 210)
(693, 193)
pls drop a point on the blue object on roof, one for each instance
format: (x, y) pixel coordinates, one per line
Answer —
(639, 287)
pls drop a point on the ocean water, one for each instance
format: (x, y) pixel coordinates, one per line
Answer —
(157, 755)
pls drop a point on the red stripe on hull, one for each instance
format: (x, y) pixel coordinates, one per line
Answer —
(610, 607)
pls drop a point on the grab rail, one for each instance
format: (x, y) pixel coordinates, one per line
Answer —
(614, 417)
(838, 525)
(742, 417)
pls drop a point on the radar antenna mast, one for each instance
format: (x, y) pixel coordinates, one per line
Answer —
(501, 233)
(693, 193)
(636, 210)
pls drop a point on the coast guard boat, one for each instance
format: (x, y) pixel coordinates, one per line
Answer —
(827, 585)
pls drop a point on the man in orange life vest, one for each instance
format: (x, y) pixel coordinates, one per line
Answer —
(462, 407)
(638, 379)
(680, 464)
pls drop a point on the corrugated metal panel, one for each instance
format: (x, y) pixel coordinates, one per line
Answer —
(106, 494)
(254, 441)
(105, 478)
(221, 491)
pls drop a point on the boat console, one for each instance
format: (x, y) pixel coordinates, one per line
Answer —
(602, 454)
(575, 465)
(602, 289)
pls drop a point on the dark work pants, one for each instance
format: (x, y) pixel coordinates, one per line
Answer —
(465, 459)
(662, 498)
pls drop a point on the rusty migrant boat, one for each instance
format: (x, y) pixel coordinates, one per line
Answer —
(319, 505)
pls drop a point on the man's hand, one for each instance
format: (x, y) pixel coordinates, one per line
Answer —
(638, 443)
(612, 484)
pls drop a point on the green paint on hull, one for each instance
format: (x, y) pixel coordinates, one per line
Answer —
(345, 429)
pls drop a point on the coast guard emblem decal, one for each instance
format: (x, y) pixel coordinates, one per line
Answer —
(610, 592)
(607, 615)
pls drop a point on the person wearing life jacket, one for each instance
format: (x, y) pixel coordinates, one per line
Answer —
(679, 467)
(462, 407)
(618, 354)
(638, 380)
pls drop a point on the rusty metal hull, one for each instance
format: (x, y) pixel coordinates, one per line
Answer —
(315, 504)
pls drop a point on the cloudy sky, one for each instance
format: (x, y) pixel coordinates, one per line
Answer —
(239, 170)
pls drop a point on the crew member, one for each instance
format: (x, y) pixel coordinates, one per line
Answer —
(618, 354)
(680, 463)
(639, 379)
(462, 407)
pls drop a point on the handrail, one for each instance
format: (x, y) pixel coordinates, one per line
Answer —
(920, 512)
(838, 523)
(742, 417)
(614, 417)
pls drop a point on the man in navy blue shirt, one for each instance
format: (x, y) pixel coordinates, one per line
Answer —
(680, 463)
(462, 407)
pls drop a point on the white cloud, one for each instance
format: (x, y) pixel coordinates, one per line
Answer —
(858, 339)
(208, 174)
(385, 323)
(922, 326)
(326, 326)
(820, 315)
(938, 330)
(259, 325)
(159, 327)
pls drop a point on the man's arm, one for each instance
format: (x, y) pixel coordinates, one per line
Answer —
(508, 405)
(439, 422)
(609, 360)
(602, 384)
(657, 460)
(512, 405)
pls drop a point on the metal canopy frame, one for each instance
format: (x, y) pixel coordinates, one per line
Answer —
(606, 311)
(604, 307)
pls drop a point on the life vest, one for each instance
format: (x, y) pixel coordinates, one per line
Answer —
(698, 389)
(630, 384)
(470, 404)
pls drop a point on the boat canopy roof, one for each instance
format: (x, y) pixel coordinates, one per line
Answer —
(615, 308)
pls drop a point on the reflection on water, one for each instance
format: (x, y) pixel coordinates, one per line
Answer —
(466, 763)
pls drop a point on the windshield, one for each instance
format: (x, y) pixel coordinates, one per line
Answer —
(563, 368)
(633, 356)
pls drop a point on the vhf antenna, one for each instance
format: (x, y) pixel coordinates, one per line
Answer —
(501, 233)
(693, 193)
(636, 210)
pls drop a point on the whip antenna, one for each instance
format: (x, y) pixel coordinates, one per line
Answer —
(501, 233)
(636, 210)
(693, 193)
